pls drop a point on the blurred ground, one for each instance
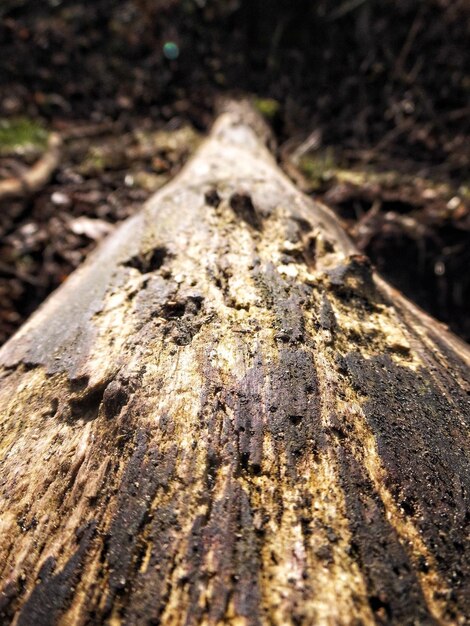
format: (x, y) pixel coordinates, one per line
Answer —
(368, 99)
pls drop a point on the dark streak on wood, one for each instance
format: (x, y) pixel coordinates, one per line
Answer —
(327, 315)
(136, 492)
(394, 593)
(293, 406)
(227, 531)
(286, 299)
(52, 596)
(415, 427)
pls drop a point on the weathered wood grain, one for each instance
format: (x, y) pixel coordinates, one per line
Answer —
(225, 417)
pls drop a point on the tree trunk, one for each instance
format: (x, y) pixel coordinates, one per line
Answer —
(226, 417)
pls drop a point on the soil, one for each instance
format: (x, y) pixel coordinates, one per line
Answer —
(368, 100)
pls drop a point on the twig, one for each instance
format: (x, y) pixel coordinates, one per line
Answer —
(345, 8)
(312, 142)
(406, 49)
(12, 271)
(37, 176)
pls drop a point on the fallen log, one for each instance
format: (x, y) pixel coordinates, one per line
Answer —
(226, 417)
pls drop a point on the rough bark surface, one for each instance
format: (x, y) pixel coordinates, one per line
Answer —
(225, 417)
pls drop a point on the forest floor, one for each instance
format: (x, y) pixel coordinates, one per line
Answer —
(369, 103)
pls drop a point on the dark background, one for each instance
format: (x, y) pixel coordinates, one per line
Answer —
(381, 89)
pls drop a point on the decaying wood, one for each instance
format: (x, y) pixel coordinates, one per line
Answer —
(225, 417)
(36, 176)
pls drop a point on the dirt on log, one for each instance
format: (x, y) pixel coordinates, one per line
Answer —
(226, 417)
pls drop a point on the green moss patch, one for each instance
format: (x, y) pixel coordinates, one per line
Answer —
(21, 135)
